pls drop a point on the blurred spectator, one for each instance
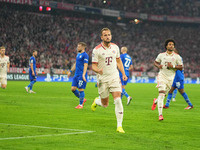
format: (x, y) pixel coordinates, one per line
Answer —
(56, 37)
(190, 8)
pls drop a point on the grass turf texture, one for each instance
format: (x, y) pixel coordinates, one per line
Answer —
(53, 106)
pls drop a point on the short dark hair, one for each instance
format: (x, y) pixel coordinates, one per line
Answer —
(83, 44)
(169, 40)
(105, 29)
(34, 51)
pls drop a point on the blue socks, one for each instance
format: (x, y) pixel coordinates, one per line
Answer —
(169, 97)
(187, 99)
(31, 84)
(124, 93)
(174, 93)
(185, 96)
(76, 93)
(82, 95)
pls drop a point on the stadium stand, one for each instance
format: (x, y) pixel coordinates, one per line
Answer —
(190, 8)
(56, 37)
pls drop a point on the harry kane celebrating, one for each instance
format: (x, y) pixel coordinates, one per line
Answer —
(105, 61)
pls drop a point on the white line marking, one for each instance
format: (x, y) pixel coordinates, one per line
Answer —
(48, 135)
(41, 127)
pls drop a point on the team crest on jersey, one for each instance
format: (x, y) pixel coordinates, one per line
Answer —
(80, 56)
(113, 52)
(173, 59)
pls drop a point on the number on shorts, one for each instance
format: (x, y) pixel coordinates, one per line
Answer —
(178, 84)
(80, 83)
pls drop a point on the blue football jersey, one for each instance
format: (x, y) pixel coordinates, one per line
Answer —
(126, 61)
(32, 61)
(179, 74)
(81, 58)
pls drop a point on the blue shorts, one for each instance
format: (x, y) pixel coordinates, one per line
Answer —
(178, 84)
(124, 82)
(79, 82)
(31, 77)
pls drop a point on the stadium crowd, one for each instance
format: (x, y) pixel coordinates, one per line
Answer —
(56, 36)
(190, 8)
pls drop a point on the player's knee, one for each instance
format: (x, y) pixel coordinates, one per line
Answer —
(73, 89)
(104, 102)
(160, 92)
(181, 91)
(105, 105)
(171, 91)
(3, 86)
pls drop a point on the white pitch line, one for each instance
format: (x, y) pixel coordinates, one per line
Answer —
(26, 94)
(48, 135)
(41, 127)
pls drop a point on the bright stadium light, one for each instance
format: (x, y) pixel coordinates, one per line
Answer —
(40, 8)
(48, 9)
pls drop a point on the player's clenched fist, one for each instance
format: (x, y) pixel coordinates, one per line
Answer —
(125, 78)
(100, 71)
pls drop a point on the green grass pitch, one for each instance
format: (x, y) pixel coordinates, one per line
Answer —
(48, 120)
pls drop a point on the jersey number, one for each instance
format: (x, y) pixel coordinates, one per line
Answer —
(127, 62)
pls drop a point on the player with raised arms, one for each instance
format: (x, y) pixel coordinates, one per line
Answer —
(168, 62)
(105, 61)
(4, 67)
(80, 77)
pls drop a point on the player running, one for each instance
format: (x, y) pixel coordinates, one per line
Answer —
(168, 62)
(127, 63)
(105, 60)
(80, 77)
(178, 83)
(32, 72)
(4, 67)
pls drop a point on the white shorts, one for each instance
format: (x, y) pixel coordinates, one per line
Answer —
(3, 80)
(163, 84)
(105, 88)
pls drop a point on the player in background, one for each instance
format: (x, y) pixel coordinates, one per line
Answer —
(80, 78)
(32, 72)
(168, 62)
(178, 83)
(105, 61)
(174, 95)
(4, 67)
(127, 63)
